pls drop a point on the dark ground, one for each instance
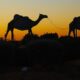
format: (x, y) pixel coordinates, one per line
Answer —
(47, 57)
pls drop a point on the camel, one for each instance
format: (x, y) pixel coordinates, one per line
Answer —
(74, 26)
(22, 23)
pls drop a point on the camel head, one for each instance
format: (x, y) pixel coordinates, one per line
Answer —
(43, 16)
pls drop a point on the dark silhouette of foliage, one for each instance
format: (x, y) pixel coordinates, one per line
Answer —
(49, 36)
(30, 37)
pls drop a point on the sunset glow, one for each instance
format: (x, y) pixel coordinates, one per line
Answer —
(60, 13)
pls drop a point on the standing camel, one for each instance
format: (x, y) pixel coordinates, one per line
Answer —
(23, 23)
(74, 26)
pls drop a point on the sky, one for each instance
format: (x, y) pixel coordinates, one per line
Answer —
(60, 14)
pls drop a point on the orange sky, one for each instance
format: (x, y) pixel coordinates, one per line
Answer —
(60, 13)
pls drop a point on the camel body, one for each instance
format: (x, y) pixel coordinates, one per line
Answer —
(23, 23)
(20, 24)
(74, 26)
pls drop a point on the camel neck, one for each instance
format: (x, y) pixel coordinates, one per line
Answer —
(37, 21)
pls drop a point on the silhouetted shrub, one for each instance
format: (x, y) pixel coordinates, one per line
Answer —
(30, 37)
(49, 36)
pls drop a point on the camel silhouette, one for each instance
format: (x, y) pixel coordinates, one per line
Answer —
(74, 26)
(22, 23)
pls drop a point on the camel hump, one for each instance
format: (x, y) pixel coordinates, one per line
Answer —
(21, 18)
(76, 19)
(17, 16)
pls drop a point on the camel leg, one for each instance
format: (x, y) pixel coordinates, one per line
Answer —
(12, 35)
(6, 34)
(69, 33)
(30, 31)
(74, 33)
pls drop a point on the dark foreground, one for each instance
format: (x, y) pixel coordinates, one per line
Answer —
(43, 58)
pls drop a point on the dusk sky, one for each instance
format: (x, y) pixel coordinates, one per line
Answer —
(60, 13)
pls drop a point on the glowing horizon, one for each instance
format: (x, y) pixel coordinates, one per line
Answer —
(60, 12)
